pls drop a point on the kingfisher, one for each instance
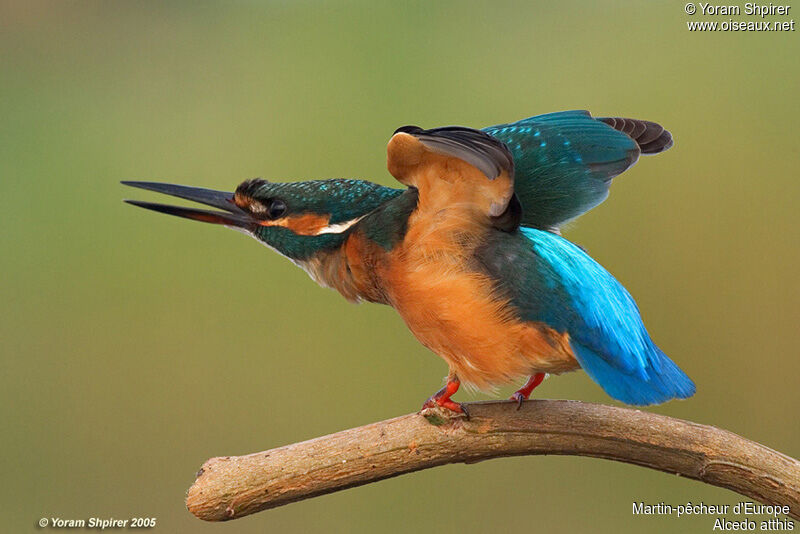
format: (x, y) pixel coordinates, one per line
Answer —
(470, 252)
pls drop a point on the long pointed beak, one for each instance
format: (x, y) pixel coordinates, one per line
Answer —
(232, 215)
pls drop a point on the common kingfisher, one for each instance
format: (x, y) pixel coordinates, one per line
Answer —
(470, 253)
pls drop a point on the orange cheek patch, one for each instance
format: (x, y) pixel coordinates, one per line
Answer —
(305, 224)
(247, 203)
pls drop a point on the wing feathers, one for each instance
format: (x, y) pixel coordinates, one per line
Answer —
(480, 150)
(575, 294)
(565, 161)
(456, 165)
(660, 144)
(652, 138)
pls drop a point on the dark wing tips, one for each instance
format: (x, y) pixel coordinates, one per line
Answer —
(652, 131)
(651, 137)
(659, 144)
(477, 148)
(411, 130)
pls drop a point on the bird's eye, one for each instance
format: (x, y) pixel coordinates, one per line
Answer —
(276, 209)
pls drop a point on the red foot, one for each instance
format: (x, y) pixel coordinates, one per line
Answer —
(524, 392)
(442, 398)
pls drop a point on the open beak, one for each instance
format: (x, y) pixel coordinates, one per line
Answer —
(232, 215)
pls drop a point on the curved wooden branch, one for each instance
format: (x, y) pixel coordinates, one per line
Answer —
(232, 487)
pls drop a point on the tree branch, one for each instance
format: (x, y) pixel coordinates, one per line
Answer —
(232, 487)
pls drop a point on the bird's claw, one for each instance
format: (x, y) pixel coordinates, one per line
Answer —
(447, 404)
(442, 398)
(519, 398)
(524, 392)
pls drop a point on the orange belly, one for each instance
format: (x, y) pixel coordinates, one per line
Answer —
(456, 312)
(476, 334)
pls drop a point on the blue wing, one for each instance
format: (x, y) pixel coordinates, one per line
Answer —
(550, 280)
(564, 162)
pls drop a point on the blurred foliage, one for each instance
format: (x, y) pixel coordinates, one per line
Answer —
(136, 346)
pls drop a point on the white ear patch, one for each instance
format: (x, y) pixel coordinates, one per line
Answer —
(338, 228)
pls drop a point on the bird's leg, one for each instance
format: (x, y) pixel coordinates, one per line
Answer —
(524, 392)
(442, 397)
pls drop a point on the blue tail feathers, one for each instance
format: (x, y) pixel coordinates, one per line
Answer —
(661, 381)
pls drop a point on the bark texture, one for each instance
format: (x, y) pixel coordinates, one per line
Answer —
(235, 486)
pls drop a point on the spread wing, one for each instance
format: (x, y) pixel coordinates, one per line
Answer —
(565, 161)
(455, 164)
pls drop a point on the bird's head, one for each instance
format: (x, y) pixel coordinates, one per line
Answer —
(298, 219)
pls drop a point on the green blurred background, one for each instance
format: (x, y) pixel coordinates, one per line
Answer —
(135, 346)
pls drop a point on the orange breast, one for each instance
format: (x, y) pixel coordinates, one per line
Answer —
(455, 311)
